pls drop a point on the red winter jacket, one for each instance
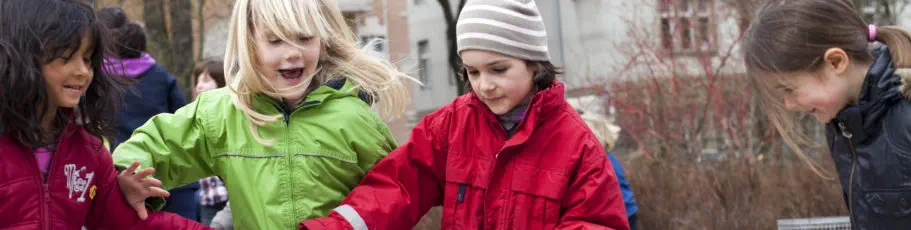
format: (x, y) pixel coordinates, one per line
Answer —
(551, 174)
(81, 189)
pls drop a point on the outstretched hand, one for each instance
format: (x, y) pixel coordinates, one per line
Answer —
(136, 188)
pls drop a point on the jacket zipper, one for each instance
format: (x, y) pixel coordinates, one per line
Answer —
(50, 172)
(493, 167)
(45, 187)
(47, 199)
(496, 158)
(848, 135)
(282, 108)
(286, 113)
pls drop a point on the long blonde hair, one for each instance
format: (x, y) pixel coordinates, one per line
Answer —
(340, 57)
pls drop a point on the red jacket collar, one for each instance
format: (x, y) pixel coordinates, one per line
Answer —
(544, 101)
(543, 104)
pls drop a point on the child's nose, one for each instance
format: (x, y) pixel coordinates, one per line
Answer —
(83, 69)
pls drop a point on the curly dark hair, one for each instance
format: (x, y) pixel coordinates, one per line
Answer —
(37, 32)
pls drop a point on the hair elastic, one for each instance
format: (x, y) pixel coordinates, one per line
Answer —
(872, 29)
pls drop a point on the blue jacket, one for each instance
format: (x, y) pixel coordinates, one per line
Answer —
(155, 91)
(871, 145)
(627, 192)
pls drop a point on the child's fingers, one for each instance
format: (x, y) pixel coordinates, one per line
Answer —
(140, 209)
(144, 173)
(150, 182)
(130, 170)
(158, 192)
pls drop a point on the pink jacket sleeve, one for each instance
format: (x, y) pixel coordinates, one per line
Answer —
(595, 201)
(398, 191)
(110, 209)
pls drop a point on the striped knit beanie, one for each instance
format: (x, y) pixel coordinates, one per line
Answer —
(510, 27)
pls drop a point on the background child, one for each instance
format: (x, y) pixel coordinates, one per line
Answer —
(820, 57)
(213, 195)
(512, 154)
(607, 134)
(55, 104)
(151, 91)
(293, 132)
(208, 75)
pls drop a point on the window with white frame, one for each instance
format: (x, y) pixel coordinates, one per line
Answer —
(424, 63)
(379, 44)
(687, 26)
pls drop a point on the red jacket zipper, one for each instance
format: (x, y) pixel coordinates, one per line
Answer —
(45, 191)
(46, 188)
(47, 199)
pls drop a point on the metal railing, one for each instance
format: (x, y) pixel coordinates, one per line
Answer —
(818, 223)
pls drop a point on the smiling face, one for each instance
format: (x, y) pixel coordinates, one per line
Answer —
(289, 65)
(825, 91)
(816, 94)
(500, 81)
(68, 77)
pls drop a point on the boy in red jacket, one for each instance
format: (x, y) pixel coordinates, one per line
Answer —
(512, 154)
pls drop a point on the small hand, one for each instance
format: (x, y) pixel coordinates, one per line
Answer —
(136, 188)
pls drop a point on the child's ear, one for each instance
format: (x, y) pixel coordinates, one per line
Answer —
(532, 68)
(837, 60)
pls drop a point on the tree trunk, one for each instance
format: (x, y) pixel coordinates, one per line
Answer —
(182, 60)
(201, 19)
(158, 43)
(455, 62)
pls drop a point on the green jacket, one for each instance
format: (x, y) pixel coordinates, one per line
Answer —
(320, 152)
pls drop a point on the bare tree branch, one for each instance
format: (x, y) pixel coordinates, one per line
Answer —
(455, 62)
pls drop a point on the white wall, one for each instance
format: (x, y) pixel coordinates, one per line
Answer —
(355, 5)
(426, 22)
(372, 29)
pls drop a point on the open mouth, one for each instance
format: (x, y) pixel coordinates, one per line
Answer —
(74, 87)
(292, 74)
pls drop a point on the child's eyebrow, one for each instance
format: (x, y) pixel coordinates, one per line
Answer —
(496, 62)
(488, 64)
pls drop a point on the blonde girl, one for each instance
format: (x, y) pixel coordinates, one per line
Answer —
(293, 132)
